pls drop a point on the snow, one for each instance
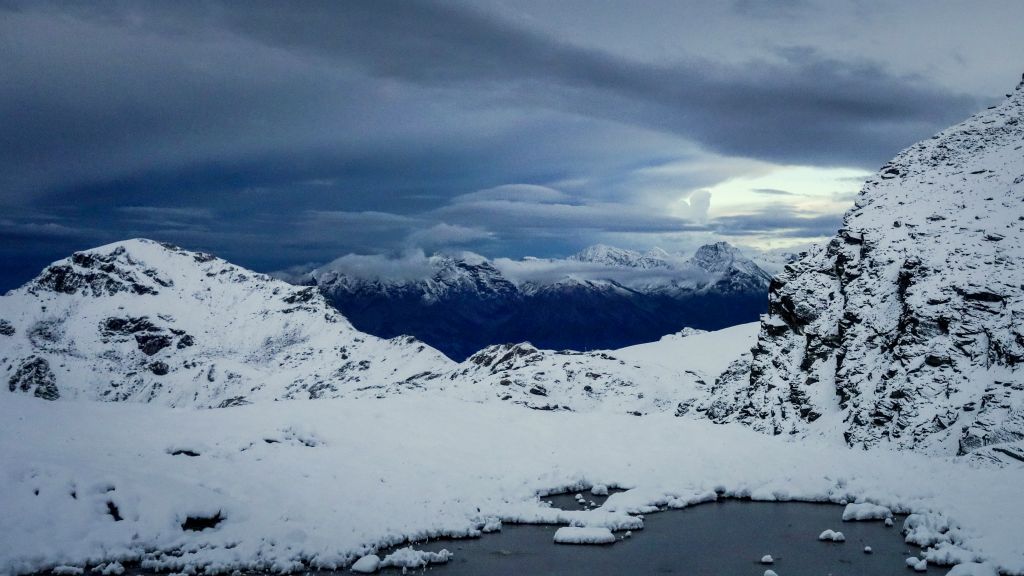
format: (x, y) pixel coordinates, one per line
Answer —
(599, 490)
(583, 535)
(832, 536)
(904, 328)
(767, 559)
(973, 569)
(865, 511)
(407, 558)
(770, 573)
(918, 564)
(367, 564)
(393, 470)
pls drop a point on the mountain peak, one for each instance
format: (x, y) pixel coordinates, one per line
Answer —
(621, 257)
(904, 330)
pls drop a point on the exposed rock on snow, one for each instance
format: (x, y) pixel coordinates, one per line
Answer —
(583, 535)
(906, 328)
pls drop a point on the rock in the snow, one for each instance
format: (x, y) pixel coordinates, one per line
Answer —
(34, 375)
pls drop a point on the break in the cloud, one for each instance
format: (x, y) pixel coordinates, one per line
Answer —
(274, 134)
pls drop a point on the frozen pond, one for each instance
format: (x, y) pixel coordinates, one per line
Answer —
(722, 538)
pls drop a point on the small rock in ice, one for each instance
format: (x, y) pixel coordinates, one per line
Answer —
(888, 522)
(868, 550)
(628, 534)
(599, 490)
(579, 497)
(580, 535)
(770, 573)
(366, 564)
(767, 559)
(832, 536)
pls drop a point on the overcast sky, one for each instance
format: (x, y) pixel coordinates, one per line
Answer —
(277, 134)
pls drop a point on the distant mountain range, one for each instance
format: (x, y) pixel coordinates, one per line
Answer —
(601, 298)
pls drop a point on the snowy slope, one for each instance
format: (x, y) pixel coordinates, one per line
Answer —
(906, 329)
(143, 321)
(316, 484)
(666, 376)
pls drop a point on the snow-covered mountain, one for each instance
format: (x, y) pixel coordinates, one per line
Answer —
(908, 327)
(603, 297)
(144, 321)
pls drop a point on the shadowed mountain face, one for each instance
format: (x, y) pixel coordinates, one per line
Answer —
(601, 298)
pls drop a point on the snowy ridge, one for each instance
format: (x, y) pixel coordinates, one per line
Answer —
(906, 329)
(143, 321)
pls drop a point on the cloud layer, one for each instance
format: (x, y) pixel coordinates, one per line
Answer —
(275, 134)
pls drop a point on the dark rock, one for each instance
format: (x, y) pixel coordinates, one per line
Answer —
(35, 374)
(159, 368)
(200, 523)
(6, 329)
(152, 343)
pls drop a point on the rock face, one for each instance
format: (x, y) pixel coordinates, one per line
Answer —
(149, 322)
(907, 329)
(600, 298)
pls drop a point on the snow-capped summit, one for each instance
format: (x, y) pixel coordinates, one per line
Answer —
(906, 329)
(605, 255)
(728, 269)
(144, 321)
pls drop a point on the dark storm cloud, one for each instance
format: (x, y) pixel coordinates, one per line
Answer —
(274, 133)
(779, 221)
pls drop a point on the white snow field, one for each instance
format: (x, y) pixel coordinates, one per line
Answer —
(322, 483)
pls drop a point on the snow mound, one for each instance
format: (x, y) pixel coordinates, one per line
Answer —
(973, 569)
(865, 511)
(367, 564)
(832, 536)
(408, 558)
(583, 535)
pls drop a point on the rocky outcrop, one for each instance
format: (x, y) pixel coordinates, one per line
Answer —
(34, 375)
(906, 329)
